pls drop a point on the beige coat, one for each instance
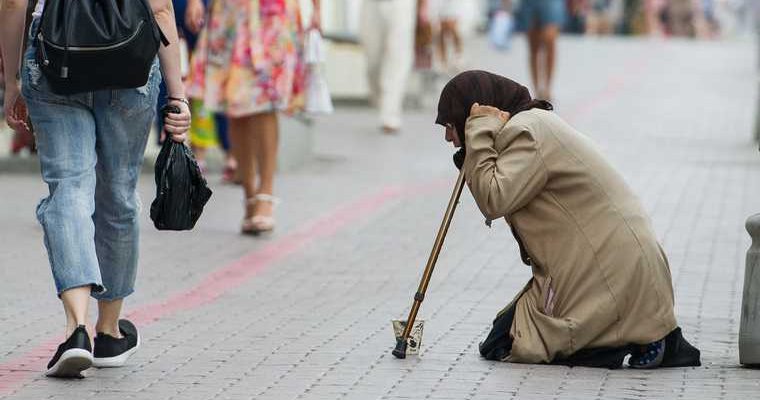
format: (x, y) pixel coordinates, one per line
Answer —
(600, 278)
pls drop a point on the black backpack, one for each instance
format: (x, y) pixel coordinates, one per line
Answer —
(88, 45)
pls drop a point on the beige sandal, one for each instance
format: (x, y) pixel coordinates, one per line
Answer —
(258, 224)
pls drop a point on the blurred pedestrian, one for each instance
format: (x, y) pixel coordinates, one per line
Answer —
(189, 21)
(577, 16)
(2, 86)
(542, 21)
(447, 13)
(682, 18)
(599, 20)
(654, 10)
(91, 147)
(387, 34)
(634, 17)
(249, 64)
(209, 129)
(706, 21)
(601, 286)
(501, 26)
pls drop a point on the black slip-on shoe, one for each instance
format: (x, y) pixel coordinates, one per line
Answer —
(498, 344)
(599, 357)
(112, 352)
(72, 357)
(679, 352)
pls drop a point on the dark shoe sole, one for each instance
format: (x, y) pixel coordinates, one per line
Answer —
(71, 364)
(115, 361)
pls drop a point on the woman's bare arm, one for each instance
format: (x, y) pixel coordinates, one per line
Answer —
(175, 124)
(12, 16)
(163, 10)
(12, 20)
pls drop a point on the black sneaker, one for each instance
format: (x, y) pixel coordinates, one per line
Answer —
(113, 352)
(72, 357)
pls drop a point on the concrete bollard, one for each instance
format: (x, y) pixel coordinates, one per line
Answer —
(757, 31)
(757, 110)
(749, 330)
(757, 121)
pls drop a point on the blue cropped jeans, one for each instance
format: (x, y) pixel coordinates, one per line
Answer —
(91, 147)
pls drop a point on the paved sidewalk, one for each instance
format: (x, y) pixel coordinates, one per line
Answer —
(305, 313)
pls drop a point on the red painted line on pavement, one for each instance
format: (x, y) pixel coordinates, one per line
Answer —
(16, 372)
(632, 71)
(235, 274)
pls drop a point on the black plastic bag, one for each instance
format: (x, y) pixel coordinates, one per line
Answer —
(181, 190)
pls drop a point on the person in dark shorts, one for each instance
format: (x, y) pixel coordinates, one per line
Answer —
(542, 20)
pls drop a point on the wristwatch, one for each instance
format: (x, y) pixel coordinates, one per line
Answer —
(182, 99)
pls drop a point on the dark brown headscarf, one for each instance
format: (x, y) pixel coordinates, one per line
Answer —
(486, 89)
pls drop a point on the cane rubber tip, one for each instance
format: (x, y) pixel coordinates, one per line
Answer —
(400, 350)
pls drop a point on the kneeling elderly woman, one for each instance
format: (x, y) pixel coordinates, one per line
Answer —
(601, 286)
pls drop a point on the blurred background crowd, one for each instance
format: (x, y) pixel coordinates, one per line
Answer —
(451, 22)
(702, 19)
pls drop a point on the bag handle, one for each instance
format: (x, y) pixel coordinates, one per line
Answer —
(164, 40)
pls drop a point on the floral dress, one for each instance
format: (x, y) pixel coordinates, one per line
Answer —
(249, 58)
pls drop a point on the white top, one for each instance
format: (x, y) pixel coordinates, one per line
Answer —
(38, 9)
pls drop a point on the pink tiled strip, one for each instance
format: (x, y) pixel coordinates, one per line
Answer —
(233, 275)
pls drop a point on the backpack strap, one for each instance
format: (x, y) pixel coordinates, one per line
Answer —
(164, 40)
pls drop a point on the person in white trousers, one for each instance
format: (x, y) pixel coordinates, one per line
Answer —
(387, 35)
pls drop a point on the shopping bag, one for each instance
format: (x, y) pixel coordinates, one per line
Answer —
(318, 100)
(500, 31)
(315, 48)
(202, 127)
(181, 190)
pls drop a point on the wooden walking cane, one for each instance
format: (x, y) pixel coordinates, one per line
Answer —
(401, 342)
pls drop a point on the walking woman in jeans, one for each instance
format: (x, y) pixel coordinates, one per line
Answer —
(91, 150)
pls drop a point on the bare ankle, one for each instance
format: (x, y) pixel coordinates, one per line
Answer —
(108, 329)
(70, 327)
